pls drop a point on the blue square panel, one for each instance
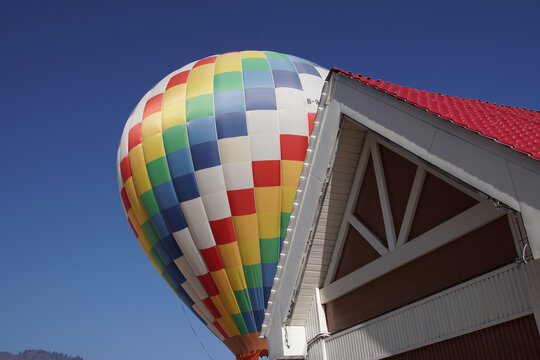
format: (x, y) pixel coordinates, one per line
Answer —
(175, 218)
(162, 253)
(165, 195)
(160, 225)
(281, 64)
(186, 187)
(201, 130)
(229, 101)
(258, 79)
(172, 248)
(305, 68)
(231, 125)
(288, 79)
(205, 155)
(260, 99)
(180, 162)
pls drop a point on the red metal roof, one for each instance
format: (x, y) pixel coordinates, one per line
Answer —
(512, 126)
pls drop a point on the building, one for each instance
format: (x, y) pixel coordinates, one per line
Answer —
(415, 231)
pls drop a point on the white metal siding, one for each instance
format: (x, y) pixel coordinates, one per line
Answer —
(485, 301)
(326, 231)
(316, 350)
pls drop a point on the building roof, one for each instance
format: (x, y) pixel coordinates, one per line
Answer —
(512, 126)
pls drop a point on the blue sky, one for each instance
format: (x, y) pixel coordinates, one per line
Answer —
(72, 276)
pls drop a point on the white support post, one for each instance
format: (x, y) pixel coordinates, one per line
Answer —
(383, 197)
(410, 210)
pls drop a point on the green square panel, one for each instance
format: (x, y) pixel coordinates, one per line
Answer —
(199, 107)
(228, 81)
(285, 217)
(175, 138)
(239, 321)
(158, 171)
(242, 297)
(150, 232)
(269, 250)
(156, 258)
(273, 55)
(253, 276)
(149, 203)
(255, 64)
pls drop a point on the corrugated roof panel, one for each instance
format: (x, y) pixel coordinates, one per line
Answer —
(512, 126)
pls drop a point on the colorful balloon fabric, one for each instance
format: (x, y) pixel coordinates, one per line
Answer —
(208, 166)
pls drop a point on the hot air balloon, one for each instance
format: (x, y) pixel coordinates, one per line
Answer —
(208, 166)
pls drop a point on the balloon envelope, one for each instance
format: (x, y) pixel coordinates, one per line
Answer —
(208, 166)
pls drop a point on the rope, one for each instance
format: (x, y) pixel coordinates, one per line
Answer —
(195, 333)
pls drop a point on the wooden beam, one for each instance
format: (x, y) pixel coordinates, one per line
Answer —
(410, 210)
(383, 197)
(461, 224)
(368, 235)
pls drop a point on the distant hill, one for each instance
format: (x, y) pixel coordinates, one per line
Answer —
(37, 355)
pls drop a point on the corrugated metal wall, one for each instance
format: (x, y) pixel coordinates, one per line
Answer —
(493, 298)
(515, 339)
(316, 350)
(313, 320)
(326, 232)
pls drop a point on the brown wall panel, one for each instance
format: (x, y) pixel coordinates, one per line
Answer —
(399, 174)
(478, 252)
(356, 253)
(368, 205)
(515, 339)
(438, 202)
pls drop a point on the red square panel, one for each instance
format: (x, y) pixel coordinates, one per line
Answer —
(211, 258)
(293, 147)
(266, 173)
(223, 231)
(242, 202)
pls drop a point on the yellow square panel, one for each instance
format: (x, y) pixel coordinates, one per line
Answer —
(172, 115)
(228, 62)
(174, 94)
(222, 283)
(200, 81)
(220, 305)
(142, 182)
(236, 278)
(228, 326)
(287, 198)
(245, 227)
(290, 172)
(153, 148)
(250, 251)
(253, 54)
(268, 199)
(136, 158)
(230, 255)
(269, 225)
(151, 125)
(136, 205)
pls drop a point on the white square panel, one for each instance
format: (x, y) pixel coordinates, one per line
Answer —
(262, 122)
(216, 206)
(288, 98)
(265, 147)
(234, 149)
(238, 175)
(210, 180)
(293, 122)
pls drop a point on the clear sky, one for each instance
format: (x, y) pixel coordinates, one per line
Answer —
(72, 276)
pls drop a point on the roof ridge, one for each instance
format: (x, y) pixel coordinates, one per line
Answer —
(359, 76)
(516, 127)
